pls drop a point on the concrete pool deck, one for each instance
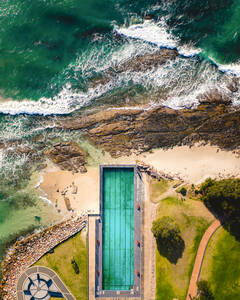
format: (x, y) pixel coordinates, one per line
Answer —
(149, 244)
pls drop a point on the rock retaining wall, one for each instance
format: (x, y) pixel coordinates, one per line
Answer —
(27, 251)
(152, 172)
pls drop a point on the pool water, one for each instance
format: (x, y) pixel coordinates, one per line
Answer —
(118, 228)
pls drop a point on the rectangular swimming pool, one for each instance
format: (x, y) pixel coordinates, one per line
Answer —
(118, 228)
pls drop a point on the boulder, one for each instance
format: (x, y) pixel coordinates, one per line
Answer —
(68, 156)
(214, 96)
(67, 203)
(233, 85)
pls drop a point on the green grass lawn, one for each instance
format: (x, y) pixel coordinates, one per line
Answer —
(221, 266)
(193, 218)
(60, 262)
(157, 188)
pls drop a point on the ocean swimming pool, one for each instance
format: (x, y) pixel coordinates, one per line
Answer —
(118, 229)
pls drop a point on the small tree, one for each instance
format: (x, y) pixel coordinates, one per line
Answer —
(204, 289)
(183, 191)
(75, 266)
(168, 238)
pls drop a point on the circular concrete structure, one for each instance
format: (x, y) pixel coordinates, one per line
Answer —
(41, 283)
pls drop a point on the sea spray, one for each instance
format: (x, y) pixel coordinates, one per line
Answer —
(157, 34)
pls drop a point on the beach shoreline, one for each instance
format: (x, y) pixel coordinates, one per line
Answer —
(192, 165)
(76, 193)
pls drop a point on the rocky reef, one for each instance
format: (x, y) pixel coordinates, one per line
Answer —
(140, 63)
(68, 156)
(122, 131)
(135, 129)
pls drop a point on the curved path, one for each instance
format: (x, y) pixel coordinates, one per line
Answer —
(41, 283)
(192, 290)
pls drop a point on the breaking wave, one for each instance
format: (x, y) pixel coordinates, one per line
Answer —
(182, 80)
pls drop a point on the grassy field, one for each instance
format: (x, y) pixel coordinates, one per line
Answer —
(193, 218)
(221, 266)
(157, 188)
(60, 262)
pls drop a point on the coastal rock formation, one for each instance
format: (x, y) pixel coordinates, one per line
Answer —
(18, 148)
(214, 96)
(68, 156)
(145, 62)
(123, 131)
(24, 151)
(154, 173)
(140, 63)
(233, 84)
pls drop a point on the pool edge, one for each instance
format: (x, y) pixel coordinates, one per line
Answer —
(138, 194)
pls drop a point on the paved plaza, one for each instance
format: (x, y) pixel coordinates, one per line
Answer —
(41, 283)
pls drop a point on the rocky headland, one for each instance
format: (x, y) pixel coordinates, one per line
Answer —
(135, 129)
(122, 131)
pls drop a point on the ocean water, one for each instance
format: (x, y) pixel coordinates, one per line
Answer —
(53, 51)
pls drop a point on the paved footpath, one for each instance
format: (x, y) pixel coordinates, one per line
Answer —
(192, 290)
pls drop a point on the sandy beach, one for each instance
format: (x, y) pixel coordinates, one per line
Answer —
(195, 164)
(80, 192)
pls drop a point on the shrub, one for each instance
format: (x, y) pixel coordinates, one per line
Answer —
(204, 289)
(182, 191)
(196, 192)
(169, 241)
(75, 266)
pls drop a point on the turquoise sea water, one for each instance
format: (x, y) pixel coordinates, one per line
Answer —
(118, 229)
(52, 52)
(51, 49)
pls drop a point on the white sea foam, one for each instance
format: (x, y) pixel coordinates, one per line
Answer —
(1, 157)
(87, 64)
(40, 181)
(157, 34)
(65, 102)
(233, 69)
(182, 78)
(10, 166)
